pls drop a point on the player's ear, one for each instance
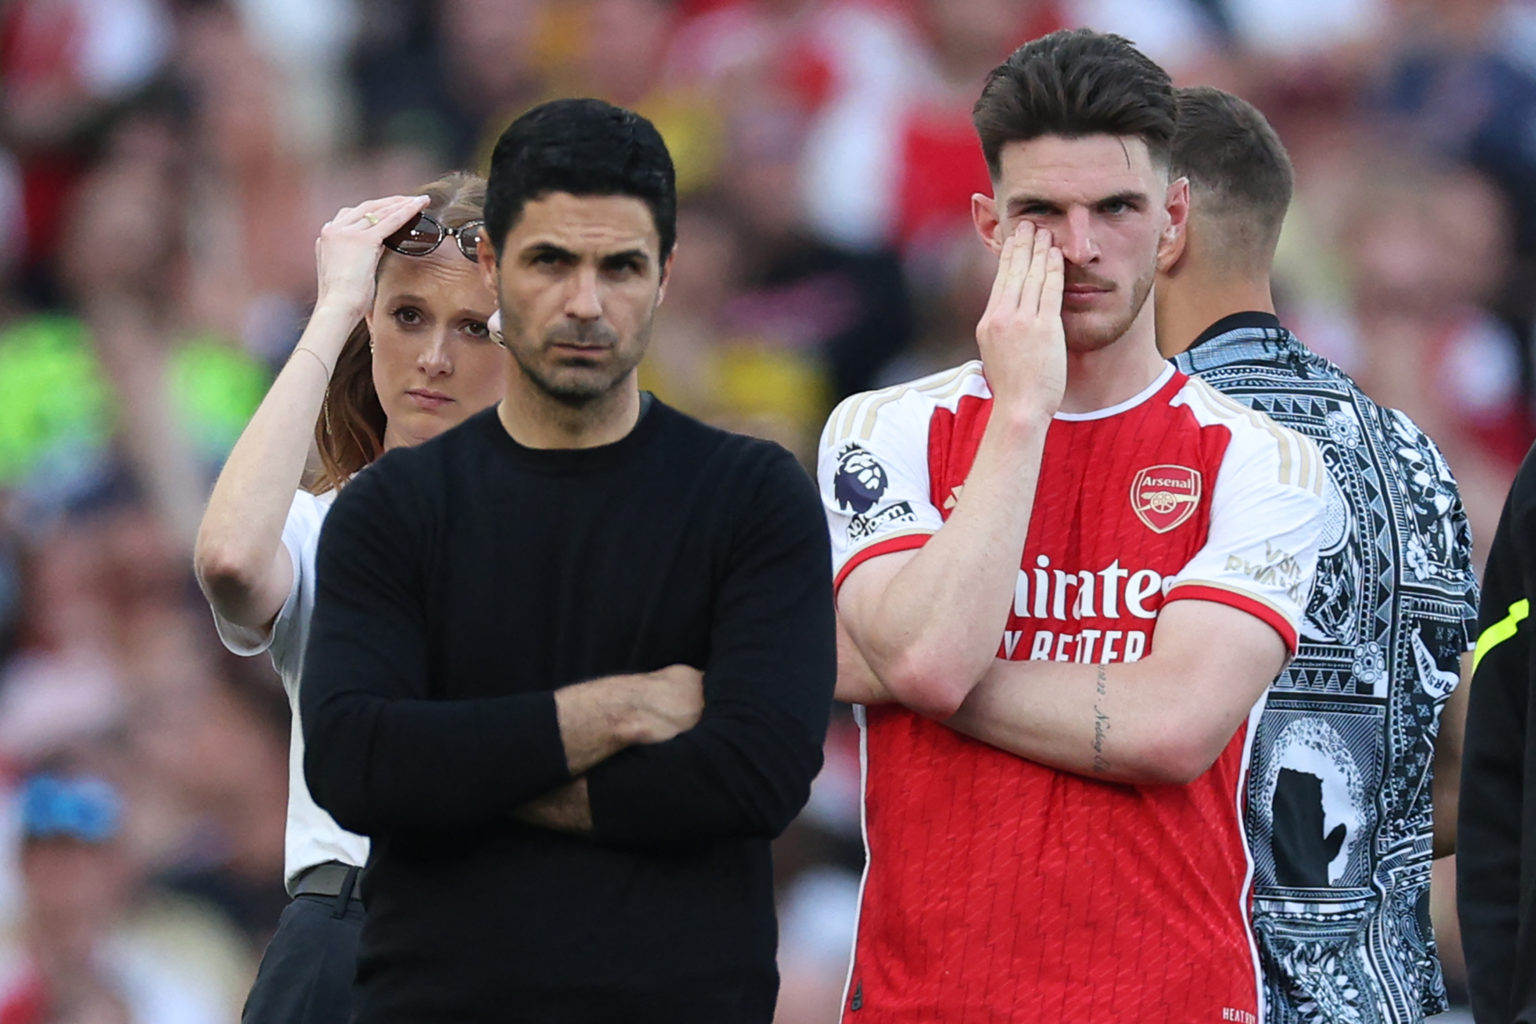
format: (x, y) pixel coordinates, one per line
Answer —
(1175, 235)
(485, 255)
(1172, 246)
(666, 273)
(988, 226)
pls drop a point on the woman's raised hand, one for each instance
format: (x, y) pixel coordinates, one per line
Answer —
(347, 251)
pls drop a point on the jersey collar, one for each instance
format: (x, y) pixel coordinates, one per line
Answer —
(1130, 403)
(1246, 321)
(1240, 338)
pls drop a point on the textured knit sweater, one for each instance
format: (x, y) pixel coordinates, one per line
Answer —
(460, 583)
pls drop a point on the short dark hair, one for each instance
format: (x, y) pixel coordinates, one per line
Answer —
(584, 147)
(1237, 167)
(1073, 83)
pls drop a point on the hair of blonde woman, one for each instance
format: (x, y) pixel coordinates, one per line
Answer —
(350, 430)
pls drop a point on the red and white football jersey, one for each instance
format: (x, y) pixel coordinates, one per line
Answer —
(998, 889)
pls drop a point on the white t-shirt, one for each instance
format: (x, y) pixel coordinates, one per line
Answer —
(313, 837)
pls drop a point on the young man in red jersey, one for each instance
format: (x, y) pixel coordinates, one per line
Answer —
(1085, 560)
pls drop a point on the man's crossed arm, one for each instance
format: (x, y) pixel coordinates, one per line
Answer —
(1163, 719)
(601, 717)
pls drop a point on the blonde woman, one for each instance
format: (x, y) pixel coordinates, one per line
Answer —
(396, 351)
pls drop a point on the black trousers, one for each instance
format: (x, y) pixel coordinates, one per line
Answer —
(306, 972)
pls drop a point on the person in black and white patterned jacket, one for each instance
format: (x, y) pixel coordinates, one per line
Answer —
(1342, 823)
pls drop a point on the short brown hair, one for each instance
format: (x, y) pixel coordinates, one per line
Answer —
(1073, 83)
(1240, 176)
(350, 431)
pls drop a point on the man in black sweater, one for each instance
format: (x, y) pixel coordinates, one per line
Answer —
(502, 685)
(1496, 857)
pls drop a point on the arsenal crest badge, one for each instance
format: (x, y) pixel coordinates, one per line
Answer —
(1165, 496)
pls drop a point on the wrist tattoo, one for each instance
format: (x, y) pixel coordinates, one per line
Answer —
(1100, 720)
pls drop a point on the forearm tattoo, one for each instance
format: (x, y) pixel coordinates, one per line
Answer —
(1100, 721)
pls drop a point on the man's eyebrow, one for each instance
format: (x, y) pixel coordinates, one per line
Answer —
(1020, 201)
(536, 249)
(1128, 196)
(546, 249)
(628, 256)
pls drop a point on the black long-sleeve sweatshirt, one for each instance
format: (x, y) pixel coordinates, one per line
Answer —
(1496, 825)
(463, 581)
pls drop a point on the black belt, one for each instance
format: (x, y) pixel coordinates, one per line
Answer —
(333, 878)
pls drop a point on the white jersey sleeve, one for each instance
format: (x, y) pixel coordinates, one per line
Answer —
(873, 469)
(1266, 517)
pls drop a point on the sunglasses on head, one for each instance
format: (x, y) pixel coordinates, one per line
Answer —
(424, 234)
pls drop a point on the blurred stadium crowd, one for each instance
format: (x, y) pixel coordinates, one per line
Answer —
(165, 166)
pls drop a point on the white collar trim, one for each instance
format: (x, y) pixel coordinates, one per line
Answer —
(1130, 403)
